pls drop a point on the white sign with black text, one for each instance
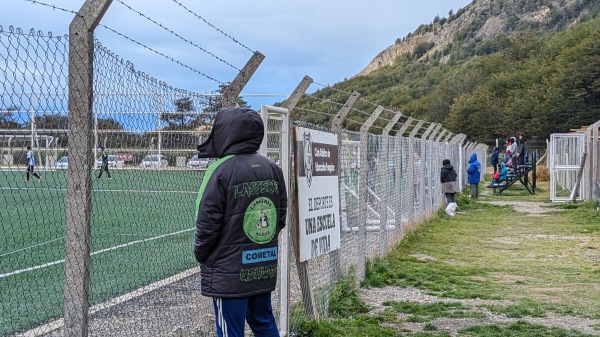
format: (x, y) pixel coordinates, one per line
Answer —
(318, 193)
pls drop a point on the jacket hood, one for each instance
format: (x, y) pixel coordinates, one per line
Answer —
(235, 130)
(473, 158)
(502, 165)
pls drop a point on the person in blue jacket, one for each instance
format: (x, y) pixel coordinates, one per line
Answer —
(240, 210)
(494, 159)
(474, 175)
(503, 172)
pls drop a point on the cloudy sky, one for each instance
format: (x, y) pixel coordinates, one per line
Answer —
(328, 40)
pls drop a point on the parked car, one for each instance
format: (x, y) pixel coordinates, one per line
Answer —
(154, 161)
(62, 163)
(198, 163)
(112, 161)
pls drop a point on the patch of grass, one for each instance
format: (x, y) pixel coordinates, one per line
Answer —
(344, 302)
(388, 315)
(429, 327)
(349, 327)
(595, 327)
(584, 216)
(537, 309)
(439, 278)
(429, 311)
(401, 268)
(465, 203)
(522, 309)
(519, 329)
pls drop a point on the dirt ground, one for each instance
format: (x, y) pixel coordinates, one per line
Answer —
(526, 207)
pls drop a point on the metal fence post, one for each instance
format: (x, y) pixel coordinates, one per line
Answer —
(440, 136)
(79, 183)
(400, 169)
(425, 167)
(231, 92)
(363, 192)
(336, 127)
(340, 117)
(435, 161)
(289, 232)
(389, 170)
(594, 187)
(411, 172)
(458, 139)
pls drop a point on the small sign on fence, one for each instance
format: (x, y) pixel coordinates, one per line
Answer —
(317, 188)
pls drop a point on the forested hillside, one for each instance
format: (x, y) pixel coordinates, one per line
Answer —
(503, 67)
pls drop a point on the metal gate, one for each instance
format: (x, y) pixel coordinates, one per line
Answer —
(564, 159)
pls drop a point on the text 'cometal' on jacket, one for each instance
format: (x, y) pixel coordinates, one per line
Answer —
(474, 170)
(241, 208)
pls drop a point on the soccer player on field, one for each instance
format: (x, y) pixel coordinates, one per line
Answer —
(31, 164)
(104, 167)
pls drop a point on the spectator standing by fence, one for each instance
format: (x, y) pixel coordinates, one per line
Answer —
(521, 149)
(474, 175)
(237, 224)
(449, 186)
(513, 153)
(494, 159)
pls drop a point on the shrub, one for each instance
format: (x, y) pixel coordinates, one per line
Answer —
(542, 173)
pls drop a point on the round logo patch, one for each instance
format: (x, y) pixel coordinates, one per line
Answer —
(260, 220)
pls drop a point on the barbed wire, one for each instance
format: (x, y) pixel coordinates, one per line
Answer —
(163, 55)
(425, 123)
(177, 35)
(212, 26)
(332, 88)
(324, 100)
(314, 111)
(52, 6)
(19, 31)
(170, 58)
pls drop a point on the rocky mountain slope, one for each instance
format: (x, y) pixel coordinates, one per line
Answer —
(483, 20)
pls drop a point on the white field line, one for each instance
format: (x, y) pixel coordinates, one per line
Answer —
(96, 190)
(29, 247)
(20, 271)
(57, 324)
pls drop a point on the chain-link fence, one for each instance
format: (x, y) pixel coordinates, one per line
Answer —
(143, 280)
(574, 163)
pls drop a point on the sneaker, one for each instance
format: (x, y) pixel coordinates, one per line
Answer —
(26, 180)
(39, 179)
(109, 178)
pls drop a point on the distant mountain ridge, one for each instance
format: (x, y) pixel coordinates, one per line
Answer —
(483, 20)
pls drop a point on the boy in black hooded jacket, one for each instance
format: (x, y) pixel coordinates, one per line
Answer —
(449, 186)
(241, 208)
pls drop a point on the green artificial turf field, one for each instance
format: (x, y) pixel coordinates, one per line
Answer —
(142, 231)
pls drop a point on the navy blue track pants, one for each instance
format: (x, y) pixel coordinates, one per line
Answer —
(231, 313)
